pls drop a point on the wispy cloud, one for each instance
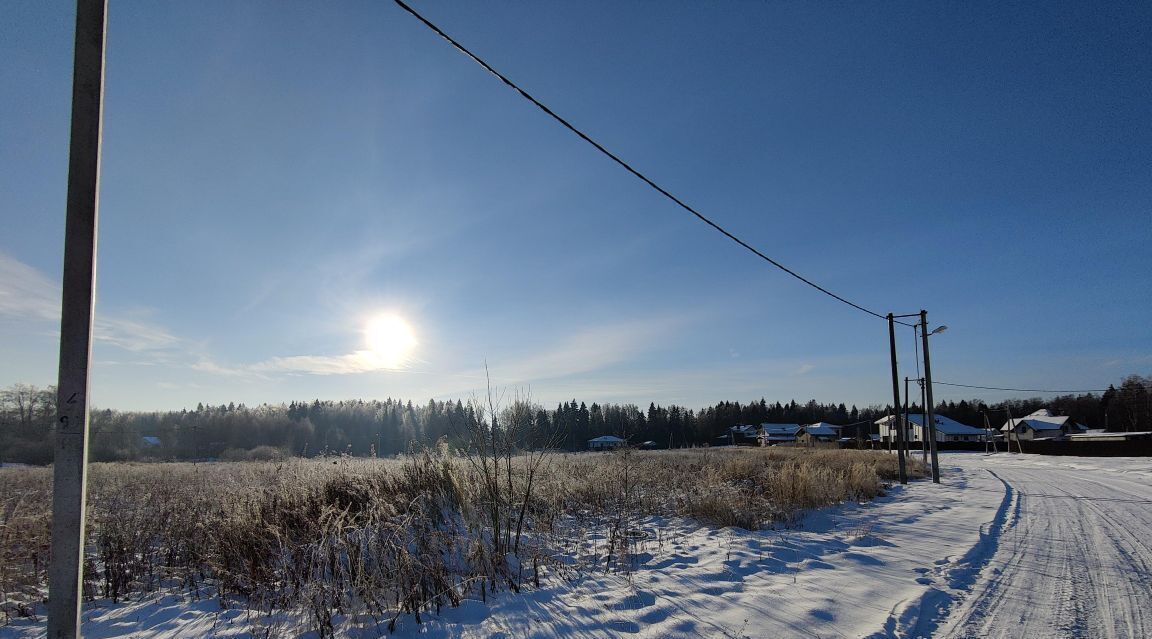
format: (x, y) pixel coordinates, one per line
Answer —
(804, 369)
(588, 351)
(28, 295)
(352, 363)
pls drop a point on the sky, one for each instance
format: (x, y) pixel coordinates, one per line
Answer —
(279, 176)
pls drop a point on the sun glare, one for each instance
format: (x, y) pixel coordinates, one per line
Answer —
(390, 341)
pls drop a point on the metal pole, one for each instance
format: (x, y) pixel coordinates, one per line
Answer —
(928, 416)
(70, 469)
(896, 401)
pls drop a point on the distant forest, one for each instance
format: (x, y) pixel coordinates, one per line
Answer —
(391, 426)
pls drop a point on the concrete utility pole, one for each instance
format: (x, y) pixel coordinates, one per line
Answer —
(896, 401)
(70, 469)
(928, 416)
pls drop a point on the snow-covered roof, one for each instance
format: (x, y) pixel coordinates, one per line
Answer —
(944, 425)
(1042, 419)
(823, 428)
(606, 439)
(150, 441)
(748, 429)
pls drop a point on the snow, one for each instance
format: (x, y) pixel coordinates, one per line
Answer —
(1008, 545)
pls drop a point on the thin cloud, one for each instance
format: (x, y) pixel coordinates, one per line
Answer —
(588, 351)
(28, 295)
(25, 293)
(350, 364)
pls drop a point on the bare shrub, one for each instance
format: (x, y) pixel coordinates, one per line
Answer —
(380, 538)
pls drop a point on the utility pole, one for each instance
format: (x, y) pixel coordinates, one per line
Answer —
(987, 431)
(70, 467)
(928, 416)
(1012, 431)
(924, 424)
(906, 414)
(896, 401)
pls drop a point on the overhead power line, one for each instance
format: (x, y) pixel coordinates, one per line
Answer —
(1025, 390)
(599, 147)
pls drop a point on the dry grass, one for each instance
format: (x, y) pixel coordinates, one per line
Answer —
(386, 537)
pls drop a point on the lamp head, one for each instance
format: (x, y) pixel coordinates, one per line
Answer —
(939, 329)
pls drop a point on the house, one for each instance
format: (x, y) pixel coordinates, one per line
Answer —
(1042, 424)
(947, 430)
(818, 432)
(606, 442)
(739, 435)
(148, 441)
(772, 434)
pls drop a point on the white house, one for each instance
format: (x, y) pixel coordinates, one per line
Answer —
(1042, 424)
(606, 442)
(947, 430)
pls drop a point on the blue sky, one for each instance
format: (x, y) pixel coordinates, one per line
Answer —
(276, 174)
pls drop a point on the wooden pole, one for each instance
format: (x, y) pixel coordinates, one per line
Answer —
(987, 431)
(906, 422)
(70, 468)
(924, 423)
(928, 416)
(900, 448)
(1012, 431)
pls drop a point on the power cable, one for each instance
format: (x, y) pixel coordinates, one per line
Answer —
(1023, 390)
(599, 147)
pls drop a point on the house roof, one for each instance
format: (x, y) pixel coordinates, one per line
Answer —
(606, 439)
(1042, 419)
(823, 428)
(944, 425)
(780, 429)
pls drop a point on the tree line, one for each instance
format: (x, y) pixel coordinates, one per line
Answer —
(391, 426)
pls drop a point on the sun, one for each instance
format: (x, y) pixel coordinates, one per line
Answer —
(390, 340)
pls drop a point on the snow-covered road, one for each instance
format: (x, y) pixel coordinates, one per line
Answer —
(1073, 554)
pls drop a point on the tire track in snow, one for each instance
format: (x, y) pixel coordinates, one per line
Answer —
(1076, 564)
(923, 616)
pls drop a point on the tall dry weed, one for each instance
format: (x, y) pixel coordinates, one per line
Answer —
(379, 538)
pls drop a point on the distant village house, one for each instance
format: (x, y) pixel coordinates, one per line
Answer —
(606, 442)
(947, 430)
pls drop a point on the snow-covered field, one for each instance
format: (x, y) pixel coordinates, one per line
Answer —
(1008, 546)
